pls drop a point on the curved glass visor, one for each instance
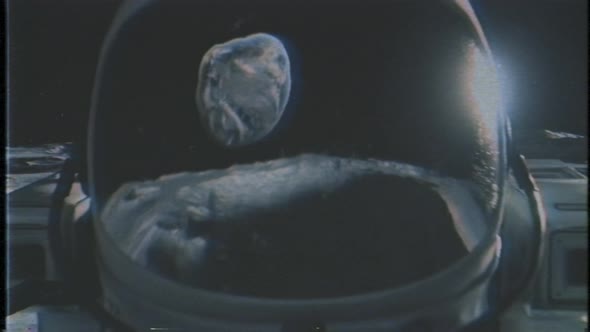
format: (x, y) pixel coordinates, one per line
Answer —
(303, 159)
(304, 227)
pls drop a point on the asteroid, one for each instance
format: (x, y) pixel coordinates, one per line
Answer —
(243, 88)
(290, 227)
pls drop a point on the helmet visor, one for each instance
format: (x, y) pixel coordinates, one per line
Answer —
(360, 157)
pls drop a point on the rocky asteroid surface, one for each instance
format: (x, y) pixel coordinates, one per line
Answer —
(243, 88)
(306, 226)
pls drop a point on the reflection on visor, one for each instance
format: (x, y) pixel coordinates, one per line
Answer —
(243, 88)
(303, 227)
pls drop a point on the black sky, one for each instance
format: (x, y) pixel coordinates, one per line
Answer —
(53, 50)
(542, 48)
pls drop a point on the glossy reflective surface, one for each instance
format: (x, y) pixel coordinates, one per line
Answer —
(309, 209)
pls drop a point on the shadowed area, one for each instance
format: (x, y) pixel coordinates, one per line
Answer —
(287, 229)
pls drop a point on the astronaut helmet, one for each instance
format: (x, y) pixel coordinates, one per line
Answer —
(297, 166)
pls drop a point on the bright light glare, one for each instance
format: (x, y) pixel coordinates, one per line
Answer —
(483, 86)
(483, 93)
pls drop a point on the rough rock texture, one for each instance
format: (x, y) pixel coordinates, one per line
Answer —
(243, 88)
(309, 226)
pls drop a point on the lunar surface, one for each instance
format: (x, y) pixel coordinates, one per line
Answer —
(292, 227)
(243, 89)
